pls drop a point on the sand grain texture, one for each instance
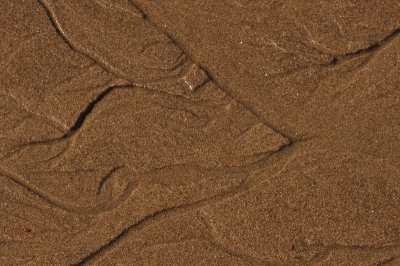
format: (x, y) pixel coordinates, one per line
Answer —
(199, 132)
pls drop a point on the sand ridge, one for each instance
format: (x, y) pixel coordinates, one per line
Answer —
(199, 133)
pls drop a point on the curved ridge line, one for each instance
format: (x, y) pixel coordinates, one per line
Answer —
(97, 58)
(66, 206)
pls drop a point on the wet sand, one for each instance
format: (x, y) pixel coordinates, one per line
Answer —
(137, 132)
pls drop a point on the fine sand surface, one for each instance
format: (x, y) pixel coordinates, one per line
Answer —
(200, 132)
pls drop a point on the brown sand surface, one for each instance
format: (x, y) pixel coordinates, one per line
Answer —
(199, 132)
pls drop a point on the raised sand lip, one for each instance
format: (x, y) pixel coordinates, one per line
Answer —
(199, 132)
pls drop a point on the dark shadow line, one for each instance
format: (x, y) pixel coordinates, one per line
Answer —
(146, 219)
(373, 47)
(82, 117)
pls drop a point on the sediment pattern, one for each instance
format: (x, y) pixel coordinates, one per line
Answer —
(199, 133)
